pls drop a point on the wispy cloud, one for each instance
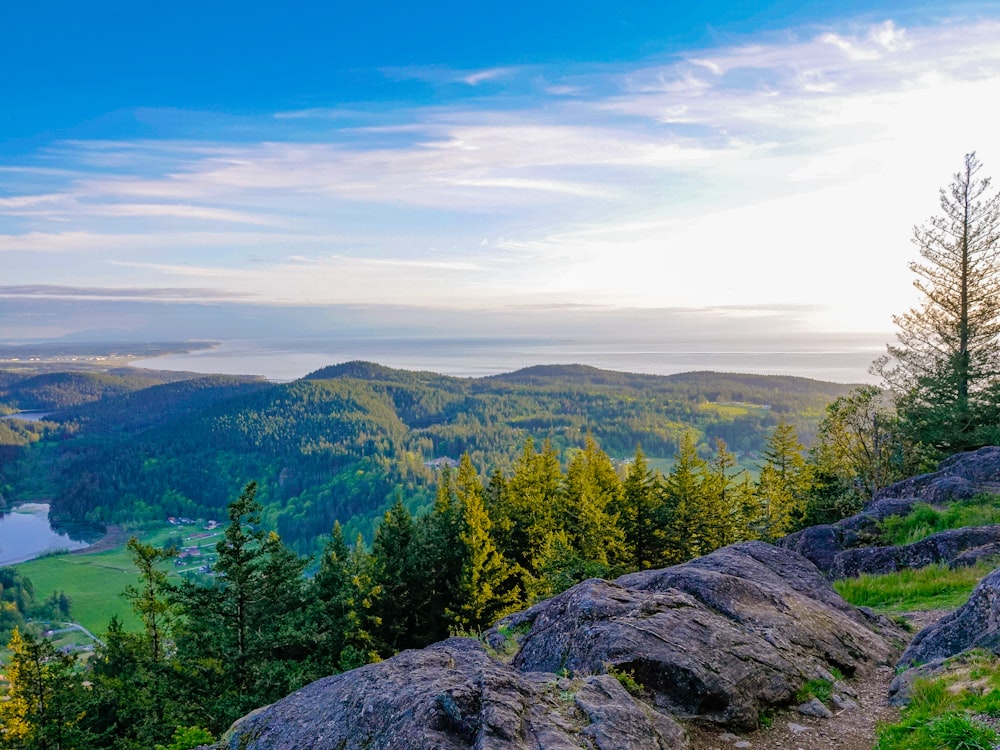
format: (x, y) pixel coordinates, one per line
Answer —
(51, 291)
(668, 179)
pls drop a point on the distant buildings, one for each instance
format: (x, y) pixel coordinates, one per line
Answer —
(440, 463)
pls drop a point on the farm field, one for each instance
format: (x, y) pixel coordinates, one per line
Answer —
(94, 582)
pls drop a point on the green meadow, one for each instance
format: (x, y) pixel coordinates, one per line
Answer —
(94, 582)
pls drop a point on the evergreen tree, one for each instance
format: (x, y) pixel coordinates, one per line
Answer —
(945, 371)
(685, 506)
(149, 601)
(438, 559)
(784, 482)
(725, 520)
(486, 588)
(587, 507)
(400, 581)
(240, 558)
(526, 513)
(640, 508)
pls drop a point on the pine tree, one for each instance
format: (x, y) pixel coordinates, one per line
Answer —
(486, 587)
(784, 482)
(587, 507)
(640, 508)
(685, 512)
(149, 601)
(525, 514)
(401, 583)
(945, 371)
(725, 522)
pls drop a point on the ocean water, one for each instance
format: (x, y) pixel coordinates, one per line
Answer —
(841, 359)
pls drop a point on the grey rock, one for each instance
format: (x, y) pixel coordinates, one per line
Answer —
(840, 548)
(943, 547)
(718, 638)
(901, 687)
(842, 703)
(815, 708)
(845, 689)
(976, 555)
(796, 728)
(975, 624)
(958, 477)
(453, 695)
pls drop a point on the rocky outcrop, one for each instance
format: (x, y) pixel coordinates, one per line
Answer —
(958, 477)
(453, 695)
(821, 544)
(957, 547)
(976, 624)
(718, 640)
(845, 548)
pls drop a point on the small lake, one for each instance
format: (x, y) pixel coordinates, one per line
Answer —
(25, 533)
(27, 416)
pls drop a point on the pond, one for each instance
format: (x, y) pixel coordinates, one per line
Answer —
(27, 416)
(25, 533)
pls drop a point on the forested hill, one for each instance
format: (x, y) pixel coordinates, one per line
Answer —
(57, 390)
(343, 442)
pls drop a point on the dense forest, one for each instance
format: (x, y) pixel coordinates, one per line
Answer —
(128, 447)
(267, 620)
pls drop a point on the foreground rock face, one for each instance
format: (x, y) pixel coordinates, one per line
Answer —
(717, 639)
(453, 695)
(845, 548)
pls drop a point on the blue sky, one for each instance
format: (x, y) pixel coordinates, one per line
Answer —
(760, 164)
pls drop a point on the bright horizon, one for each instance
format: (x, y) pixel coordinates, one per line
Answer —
(730, 170)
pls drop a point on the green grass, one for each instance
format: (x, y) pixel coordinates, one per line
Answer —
(946, 712)
(94, 582)
(933, 587)
(923, 520)
(818, 688)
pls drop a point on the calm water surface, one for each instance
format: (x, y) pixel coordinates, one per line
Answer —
(25, 533)
(844, 361)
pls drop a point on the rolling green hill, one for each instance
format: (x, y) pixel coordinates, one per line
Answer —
(342, 442)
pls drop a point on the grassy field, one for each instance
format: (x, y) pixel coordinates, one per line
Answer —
(94, 582)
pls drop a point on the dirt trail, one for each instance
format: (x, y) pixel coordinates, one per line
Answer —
(852, 729)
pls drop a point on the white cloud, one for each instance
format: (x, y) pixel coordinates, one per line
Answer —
(786, 169)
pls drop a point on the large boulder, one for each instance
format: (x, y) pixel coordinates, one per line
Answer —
(976, 624)
(958, 477)
(454, 696)
(719, 638)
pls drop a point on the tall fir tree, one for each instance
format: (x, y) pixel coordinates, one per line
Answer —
(784, 483)
(945, 370)
(684, 509)
(640, 508)
(487, 588)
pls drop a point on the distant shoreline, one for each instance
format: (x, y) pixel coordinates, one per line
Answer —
(113, 538)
